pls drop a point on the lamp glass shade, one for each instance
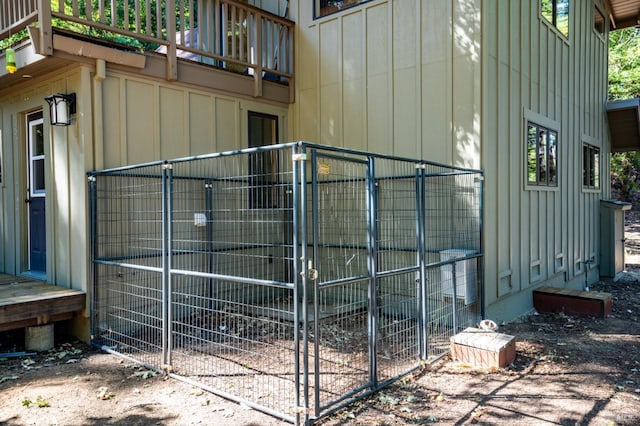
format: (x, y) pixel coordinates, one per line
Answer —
(10, 60)
(60, 108)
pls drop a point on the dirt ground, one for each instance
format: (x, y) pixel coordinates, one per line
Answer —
(568, 371)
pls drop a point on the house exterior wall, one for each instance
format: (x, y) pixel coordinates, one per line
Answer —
(454, 82)
(146, 120)
(540, 236)
(394, 77)
(121, 119)
(67, 150)
(451, 81)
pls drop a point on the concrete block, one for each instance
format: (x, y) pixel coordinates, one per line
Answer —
(39, 338)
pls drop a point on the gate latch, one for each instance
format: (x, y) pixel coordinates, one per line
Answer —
(312, 274)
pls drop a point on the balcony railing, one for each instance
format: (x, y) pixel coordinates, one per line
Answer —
(222, 33)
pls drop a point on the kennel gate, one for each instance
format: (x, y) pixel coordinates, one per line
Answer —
(294, 278)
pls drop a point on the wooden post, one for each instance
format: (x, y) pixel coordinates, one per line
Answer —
(44, 25)
(257, 70)
(172, 56)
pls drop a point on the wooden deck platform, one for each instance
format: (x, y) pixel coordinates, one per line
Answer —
(25, 302)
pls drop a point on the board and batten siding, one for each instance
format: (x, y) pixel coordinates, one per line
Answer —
(121, 119)
(454, 82)
(146, 120)
(67, 151)
(533, 72)
(392, 77)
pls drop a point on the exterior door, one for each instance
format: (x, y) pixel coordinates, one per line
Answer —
(36, 193)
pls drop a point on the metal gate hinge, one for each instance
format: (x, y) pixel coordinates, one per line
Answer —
(91, 178)
(167, 166)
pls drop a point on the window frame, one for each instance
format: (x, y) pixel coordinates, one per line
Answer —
(336, 6)
(598, 12)
(541, 123)
(591, 166)
(555, 15)
(263, 166)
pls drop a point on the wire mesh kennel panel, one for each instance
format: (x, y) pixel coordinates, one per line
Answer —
(231, 268)
(127, 221)
(294, 278)
(452, 228)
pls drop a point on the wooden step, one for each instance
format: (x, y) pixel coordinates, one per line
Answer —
(572, 302)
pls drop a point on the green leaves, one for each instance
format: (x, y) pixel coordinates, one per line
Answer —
(624, 64)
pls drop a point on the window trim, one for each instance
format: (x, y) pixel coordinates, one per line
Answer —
(601, 34)
(547, 123)
(588, 143)
(317, 7)
(263, 191)
(553, 23)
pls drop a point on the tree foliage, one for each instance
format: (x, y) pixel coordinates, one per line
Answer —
(624, 83)
(146, 17)
(624, 64)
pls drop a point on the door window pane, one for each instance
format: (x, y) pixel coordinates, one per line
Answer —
(38, 175)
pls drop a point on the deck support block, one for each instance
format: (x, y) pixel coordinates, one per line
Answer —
(39, 338)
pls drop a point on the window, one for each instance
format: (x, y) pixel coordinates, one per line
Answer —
(263, 165)
(598, 20)
(557, 13)
(542, 155)
(327, 7)
(590, 166)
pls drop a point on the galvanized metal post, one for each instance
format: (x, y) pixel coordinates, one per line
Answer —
(454, 302)
(208, 207)
(421, 280)
(301, 278)
(316, 291)
(167, 193)
(297, 194)
(372, 249)
(93, 322)
(480, 273)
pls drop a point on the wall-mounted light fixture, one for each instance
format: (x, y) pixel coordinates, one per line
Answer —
(61, 107)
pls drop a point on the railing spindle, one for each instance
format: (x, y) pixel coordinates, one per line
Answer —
(226, 33)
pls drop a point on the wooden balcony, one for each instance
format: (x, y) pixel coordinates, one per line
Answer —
(220, 34)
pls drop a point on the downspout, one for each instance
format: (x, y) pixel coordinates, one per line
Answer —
(98, 122)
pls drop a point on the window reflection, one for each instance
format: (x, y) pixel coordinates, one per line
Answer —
(542, 155)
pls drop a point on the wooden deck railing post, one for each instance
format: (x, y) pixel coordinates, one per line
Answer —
(44, 25)
(257, 71)
(172, 57)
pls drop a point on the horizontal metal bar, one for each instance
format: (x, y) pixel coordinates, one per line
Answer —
(388, 157)
(232, 278)
(343, 281)
(234, 398)
(453, 260)
(399, 271)
(127, 265)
